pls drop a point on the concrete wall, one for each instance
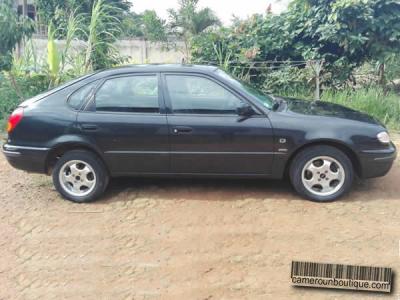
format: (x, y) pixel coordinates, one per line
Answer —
(137, 51)
(141, 51)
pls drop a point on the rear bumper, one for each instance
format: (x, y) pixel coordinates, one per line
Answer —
(376, 163)
(30, 159)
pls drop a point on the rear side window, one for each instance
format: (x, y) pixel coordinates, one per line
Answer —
(129, 94)
(77, 99)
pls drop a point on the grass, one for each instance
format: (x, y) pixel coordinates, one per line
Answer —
(373, 101)
(385, 107)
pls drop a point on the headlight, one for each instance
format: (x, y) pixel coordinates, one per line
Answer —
(383, 137)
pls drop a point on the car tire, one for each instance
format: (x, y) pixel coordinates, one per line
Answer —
(321, 173)
(80, 176)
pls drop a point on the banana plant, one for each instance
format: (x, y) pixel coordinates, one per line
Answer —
(53, 58)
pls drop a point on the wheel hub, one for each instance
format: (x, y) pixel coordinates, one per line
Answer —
(323, 176)
(77, 178)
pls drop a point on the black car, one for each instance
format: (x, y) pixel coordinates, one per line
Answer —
(182, 120)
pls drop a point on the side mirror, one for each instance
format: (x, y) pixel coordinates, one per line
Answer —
(245, 110)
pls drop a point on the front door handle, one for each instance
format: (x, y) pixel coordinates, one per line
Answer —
(182, 130)
(89, 127)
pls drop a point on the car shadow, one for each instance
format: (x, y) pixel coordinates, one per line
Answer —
(206, 189)
(200, 189)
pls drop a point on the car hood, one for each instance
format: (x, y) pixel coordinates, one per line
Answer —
(325, 109)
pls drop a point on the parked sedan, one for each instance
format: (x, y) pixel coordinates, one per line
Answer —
(182, 120)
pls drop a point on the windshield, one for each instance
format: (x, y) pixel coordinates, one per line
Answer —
(263, 98)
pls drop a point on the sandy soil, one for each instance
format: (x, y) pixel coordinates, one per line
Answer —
(188, 239)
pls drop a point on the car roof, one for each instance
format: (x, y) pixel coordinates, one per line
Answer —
(157, 68)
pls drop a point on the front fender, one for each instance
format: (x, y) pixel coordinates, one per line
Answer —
(292, 134)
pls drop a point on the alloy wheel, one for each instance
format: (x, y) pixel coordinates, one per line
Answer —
(77, 178)
(323, 176)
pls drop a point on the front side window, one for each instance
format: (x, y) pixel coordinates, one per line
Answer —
(199, 95)
(259, 95)
(129, 94)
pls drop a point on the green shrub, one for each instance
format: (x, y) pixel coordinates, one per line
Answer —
(27, 85)
(287, 80)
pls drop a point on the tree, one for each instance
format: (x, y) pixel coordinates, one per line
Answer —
(247, 44)
(99, 30)
(147, 25)
(132, 25)
(188, 21)
(153, 27)
(373, 26)
(13, 29)
(343, 33)
(48, 8)
(59, 11)
(102, 33)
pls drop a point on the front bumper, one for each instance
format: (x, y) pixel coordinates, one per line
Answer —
(376, 163)
(30, 159)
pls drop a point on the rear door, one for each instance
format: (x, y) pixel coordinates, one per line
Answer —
(126, 119)
(206, 134)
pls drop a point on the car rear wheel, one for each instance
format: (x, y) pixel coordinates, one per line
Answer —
(80, 176)
(321, 173)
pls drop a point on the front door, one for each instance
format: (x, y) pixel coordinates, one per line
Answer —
(126, 122)
(206, 134)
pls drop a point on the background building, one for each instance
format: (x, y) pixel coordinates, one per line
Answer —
(27, 8)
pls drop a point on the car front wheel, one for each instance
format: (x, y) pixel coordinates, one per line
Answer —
(321, 173)
(80, 176)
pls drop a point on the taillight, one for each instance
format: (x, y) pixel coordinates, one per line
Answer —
(14, 119)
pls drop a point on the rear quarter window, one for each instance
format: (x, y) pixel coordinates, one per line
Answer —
(77, 98)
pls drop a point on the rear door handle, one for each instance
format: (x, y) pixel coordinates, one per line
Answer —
(182, 129)
(89, 127)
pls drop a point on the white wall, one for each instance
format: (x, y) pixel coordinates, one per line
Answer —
(141, 51)
(138, 51)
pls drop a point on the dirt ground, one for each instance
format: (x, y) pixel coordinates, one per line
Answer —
(188, 239)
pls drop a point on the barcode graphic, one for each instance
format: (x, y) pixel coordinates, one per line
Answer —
(341, 276)
(341, 271)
